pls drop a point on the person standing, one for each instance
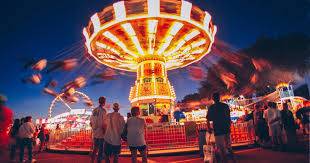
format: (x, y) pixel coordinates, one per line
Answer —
(135, 135)
(14, 141)
(164, 114)
(259, 123)
(42, 136)
(289, 124)
(114, 123)
(304, 115)
(219, 114)
(176, 114)
(25, 133)
(98, 130)
(6, 119)
(273, 117)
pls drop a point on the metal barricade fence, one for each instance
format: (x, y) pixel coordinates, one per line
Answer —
(159, 136)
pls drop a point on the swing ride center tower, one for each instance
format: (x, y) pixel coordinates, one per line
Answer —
(150, 37)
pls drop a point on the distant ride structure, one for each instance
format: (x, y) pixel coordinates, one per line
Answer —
(150, 37)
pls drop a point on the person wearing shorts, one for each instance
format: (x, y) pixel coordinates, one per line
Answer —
(135, 135)
(114, 124)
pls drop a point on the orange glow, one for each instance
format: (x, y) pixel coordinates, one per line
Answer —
(146, 34)
(283, 84)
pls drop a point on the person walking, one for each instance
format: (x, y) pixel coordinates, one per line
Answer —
(25, 133)
(98, 130)
(114, 124)
(273, 117)
(219, 114)
(135, 135)
(14, 139)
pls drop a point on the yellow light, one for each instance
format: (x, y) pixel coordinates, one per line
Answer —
(119, 10)
(186, 9)
(128, 28)
(153, 8)
(192, 35)
(96, 22)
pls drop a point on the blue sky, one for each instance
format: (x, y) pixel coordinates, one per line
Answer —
(42, 29)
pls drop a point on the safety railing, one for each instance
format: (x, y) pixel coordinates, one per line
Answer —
(159, 136)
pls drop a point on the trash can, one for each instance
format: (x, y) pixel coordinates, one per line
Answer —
(201, 140)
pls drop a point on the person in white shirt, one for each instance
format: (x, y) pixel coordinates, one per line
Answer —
(98, 130)
(273, 118)
(25, 133)
(114, 124)
(135, 135)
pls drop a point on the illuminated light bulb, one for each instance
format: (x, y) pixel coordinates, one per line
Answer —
(175, 28)
(110, 36)
(119, 10)
(96, 22)
(128, 28)
(192, 35)
(199, 43)
(186, 9)
(153, 8)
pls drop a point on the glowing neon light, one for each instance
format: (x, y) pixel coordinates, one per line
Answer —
(128, 28)
(192, 35)
(96, 22)
(207, 20)
(110, 36)
(119, 10)
(153, 8)
(175, 28)
(199, 43)
(186, 9)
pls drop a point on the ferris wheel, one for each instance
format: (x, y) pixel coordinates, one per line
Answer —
(62, 100)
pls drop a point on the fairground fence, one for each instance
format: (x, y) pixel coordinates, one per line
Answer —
(159, 136)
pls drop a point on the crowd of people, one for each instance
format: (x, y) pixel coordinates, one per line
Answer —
(22, 134)
(110, 128)
(279, 126)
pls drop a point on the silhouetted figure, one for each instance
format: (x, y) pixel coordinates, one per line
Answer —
(219, 114)
(14, 142)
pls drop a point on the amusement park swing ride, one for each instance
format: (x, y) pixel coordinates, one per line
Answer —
(150, 37)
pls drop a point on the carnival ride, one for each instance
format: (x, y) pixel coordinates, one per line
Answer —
(72, 117)
(150, 37)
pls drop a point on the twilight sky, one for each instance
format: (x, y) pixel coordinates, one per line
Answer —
(49, 28)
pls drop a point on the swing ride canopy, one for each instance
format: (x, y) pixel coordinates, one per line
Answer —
(129, 32)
